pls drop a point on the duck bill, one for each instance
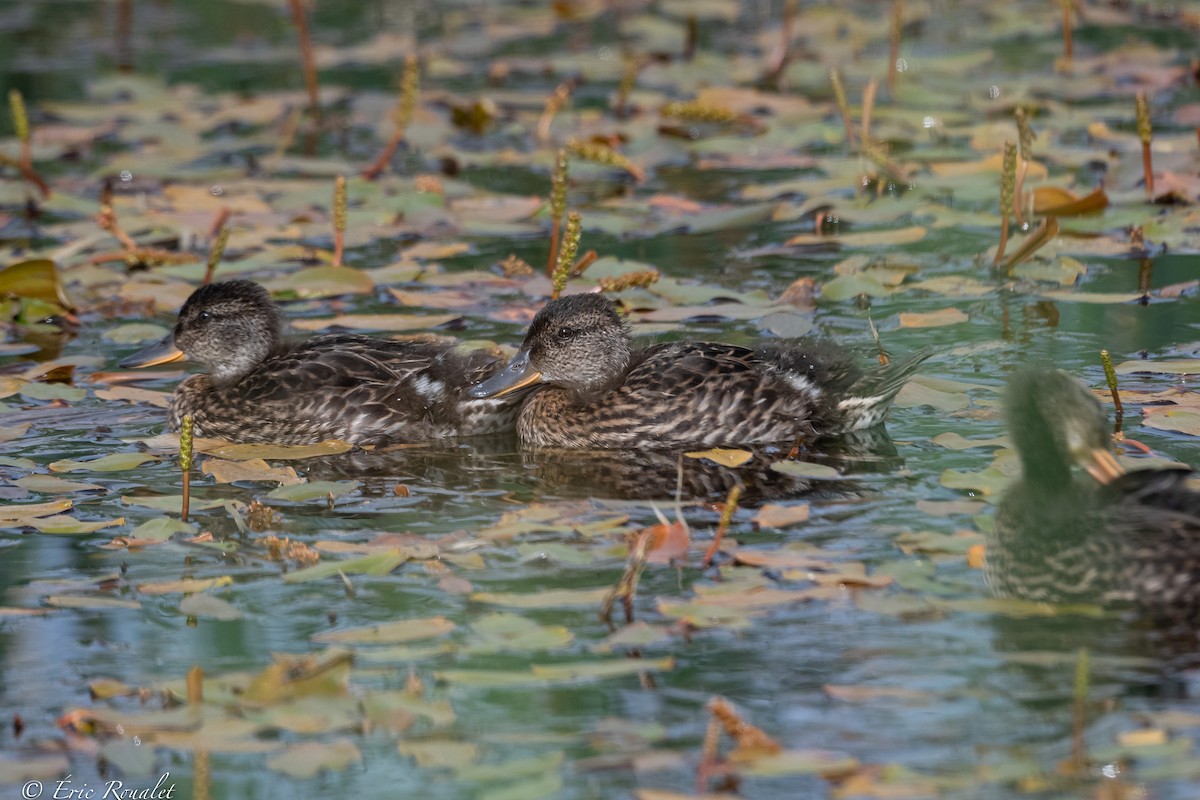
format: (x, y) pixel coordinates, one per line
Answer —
(518, 375)
(1102, 465)
(163, 352)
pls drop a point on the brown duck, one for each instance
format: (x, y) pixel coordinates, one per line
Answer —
(360, 389)
(590, 387)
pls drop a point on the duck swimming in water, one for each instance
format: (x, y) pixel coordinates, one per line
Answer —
(360, 389)
(1096, 534)
(592, 388)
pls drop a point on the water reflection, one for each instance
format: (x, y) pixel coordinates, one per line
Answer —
(499, 464)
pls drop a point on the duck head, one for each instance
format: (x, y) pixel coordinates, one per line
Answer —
(577, 343)
(1056, 422)
(229, 327)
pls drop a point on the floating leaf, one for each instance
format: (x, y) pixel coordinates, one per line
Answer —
(90, 602)
(324, 282)
(307, 759)
(956, 441)
(133, 394)
(10, 432)
(254, 469)
(276, 452)
(1056, 202)
(116, 462)
(188, 586)
(136, 333)
(49, 484)
(932, 319)
(20, 513)
(1103, 298)
(864, 694)
(884, 238)
(171, 503)
(36, 279)
(806, 469)
(589, 670)
(207, 606)
(63, 524)
(502, 631)
(773, 515)
(668, 542)
(316, 490)
(635, 635)
(1189, 366)
(377, 564)
(374, 322)
(406, 630)
(440, 752)
(546, 598)
(723, 456)
(1178, 420)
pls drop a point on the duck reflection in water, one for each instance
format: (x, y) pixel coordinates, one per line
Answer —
(1076, 527)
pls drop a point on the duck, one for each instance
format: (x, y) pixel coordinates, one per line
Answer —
(1076, 527)
(587, 386)
(259, 388)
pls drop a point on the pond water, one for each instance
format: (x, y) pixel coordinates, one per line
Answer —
(492, 674)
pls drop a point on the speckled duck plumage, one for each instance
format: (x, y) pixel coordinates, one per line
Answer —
(360, 389)
(590, 387)
(1076, 527)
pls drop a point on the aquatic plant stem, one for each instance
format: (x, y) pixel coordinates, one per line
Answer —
(201, 761)
(1033, 242)
(868, 105)
(1067, 33)
(554, 103)
(410, 87)
(604, 154)
(1007, 189)
(1142, 107)
(1078, 747)
(566, 253)
(216, 251)
(629, 75)
(782, 54)
(1110, 377)
(185, 464)
(626, 587)
(558, 206)
(731, 502)
(300, 19)
(894, 46)
(24, 163)
(839, 97)
(339, 219)
(1025, 137)
(123, 36)
(107, 220)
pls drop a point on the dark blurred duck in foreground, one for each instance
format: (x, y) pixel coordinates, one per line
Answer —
(1096, 533)
(360, 389)
(591, 388)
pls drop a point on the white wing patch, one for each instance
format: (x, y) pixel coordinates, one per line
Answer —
(427, 387)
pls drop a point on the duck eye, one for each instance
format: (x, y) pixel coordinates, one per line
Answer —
(566, 333)
(204, 316)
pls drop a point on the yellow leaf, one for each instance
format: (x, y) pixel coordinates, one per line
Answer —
(932, 319)
(253, 470)
(184, 586)
(723, 456)
(772, 515)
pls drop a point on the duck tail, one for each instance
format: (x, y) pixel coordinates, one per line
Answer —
(867, 400)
